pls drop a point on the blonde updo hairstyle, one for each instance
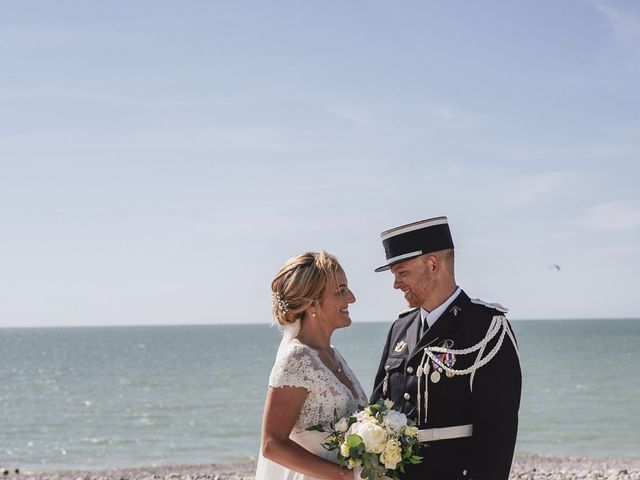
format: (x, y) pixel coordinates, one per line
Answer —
(300, 283)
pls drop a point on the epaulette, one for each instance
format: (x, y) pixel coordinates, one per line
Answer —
(406, 312)
(495, 306)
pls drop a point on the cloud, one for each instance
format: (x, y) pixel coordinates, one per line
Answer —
(625, 30)
(358, 117)
(456, 118)
(625, 26)
(174, 136)
(612, 216)
(537, 185)
(575, 154)
(631, 130)
(33, 35)
(440, 116)
(532, 188)
(126, 90)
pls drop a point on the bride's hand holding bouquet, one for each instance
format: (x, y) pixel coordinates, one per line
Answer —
(377, 442)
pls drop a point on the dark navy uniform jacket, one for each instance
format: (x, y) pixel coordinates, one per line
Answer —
(492, 406)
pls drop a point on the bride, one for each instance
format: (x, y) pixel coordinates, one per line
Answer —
(309, 379)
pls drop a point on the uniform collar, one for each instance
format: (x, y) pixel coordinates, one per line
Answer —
(435, 314)
(441, 330)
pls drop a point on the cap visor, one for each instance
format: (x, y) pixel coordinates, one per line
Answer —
(390, 264)
(382, 268)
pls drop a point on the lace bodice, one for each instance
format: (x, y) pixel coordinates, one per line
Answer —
(300, 366)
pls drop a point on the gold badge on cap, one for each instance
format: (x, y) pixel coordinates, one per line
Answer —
(400, 346)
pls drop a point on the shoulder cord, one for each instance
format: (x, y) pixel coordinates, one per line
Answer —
(515, 346)
(499, 322)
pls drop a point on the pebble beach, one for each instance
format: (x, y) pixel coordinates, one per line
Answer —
(525, 467)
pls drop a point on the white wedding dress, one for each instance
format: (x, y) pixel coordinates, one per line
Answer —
(298, 365)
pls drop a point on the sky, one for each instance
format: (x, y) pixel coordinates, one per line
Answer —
(160, 160)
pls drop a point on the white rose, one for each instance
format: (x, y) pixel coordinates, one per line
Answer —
(360, 416)
(396, 421)
(411, 431)
(344, 450)
(342, 425)
(373, 436)
(392, 455)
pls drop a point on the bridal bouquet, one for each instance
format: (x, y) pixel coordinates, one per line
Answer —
(377, 441)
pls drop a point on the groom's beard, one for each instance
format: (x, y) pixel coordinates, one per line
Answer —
(412, 299)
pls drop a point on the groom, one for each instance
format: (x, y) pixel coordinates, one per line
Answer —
(450, 362)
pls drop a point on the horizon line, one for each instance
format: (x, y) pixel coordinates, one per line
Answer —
(240, 324)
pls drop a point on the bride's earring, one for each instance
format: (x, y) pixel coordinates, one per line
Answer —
(313, 314)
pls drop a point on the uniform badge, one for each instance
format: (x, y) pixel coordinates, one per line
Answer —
(400, 346)
(455, 310)
(450, 361)
(447, 359)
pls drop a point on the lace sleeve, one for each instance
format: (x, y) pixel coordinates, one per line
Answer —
(294, 369)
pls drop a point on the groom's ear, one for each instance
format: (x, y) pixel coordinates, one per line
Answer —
(431, 262)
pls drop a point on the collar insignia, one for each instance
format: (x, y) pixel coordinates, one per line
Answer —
(400, 346)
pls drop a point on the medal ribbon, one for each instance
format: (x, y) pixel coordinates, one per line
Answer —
(498, 323)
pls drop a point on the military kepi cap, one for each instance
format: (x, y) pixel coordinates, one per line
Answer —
(415, 239)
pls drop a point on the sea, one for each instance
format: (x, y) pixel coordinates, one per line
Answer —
(108, 397)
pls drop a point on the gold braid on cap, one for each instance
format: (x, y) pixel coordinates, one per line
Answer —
(279, 305)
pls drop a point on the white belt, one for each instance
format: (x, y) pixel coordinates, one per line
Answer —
(445, 433)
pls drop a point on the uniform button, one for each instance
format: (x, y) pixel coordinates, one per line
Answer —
(464, 472)
(407, 396)
(409, 369)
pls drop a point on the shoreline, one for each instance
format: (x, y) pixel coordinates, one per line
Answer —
(525, 467)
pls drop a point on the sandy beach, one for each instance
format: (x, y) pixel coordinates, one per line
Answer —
(525, 467)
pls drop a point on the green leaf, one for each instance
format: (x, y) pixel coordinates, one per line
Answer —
(353, 441)
(369, 459)
(358, 451)
(316, 428)
(407, 453)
